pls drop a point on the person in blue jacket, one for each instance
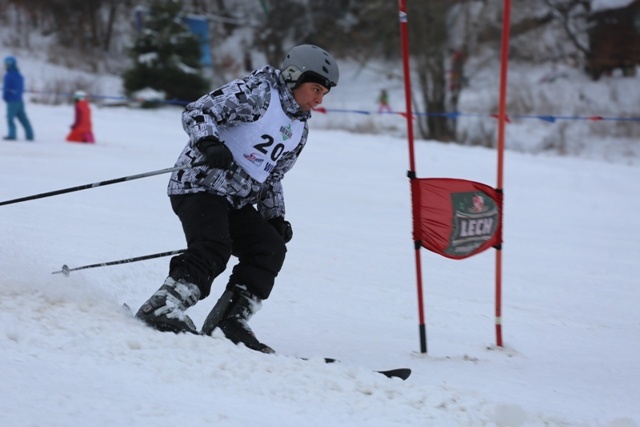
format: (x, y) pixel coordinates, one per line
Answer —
(12, 89)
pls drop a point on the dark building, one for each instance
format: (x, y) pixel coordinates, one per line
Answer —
(614, 41)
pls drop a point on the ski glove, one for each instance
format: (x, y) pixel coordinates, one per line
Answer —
(282, 227)
(216, 153)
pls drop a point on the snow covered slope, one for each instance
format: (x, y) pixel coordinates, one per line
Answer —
(71, 357)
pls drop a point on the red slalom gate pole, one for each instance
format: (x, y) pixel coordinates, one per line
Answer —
(415, 194)
(502, 119)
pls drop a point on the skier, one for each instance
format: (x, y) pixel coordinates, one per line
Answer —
(12, 90)
(81, 129)
(383, 102)
(249, 132)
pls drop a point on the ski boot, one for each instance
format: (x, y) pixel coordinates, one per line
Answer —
(232, 313)
(165, 310)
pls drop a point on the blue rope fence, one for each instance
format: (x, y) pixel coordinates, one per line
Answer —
(510, 117)
(451, 115)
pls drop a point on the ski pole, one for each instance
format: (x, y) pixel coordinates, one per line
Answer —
(100, 184)
(66, 270)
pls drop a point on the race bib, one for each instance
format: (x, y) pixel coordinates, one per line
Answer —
(258, 145)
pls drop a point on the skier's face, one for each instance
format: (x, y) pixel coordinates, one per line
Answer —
(309, 95)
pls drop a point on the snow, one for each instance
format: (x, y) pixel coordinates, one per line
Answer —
(71, 357)
(600, 5)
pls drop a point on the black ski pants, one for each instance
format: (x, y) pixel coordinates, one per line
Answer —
(214, 231)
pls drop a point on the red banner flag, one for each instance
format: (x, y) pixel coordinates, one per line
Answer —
(456, 218)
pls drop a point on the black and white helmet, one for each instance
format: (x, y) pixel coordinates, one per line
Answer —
(309, 63)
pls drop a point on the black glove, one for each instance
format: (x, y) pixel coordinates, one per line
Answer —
(282, 227)
(217, 154)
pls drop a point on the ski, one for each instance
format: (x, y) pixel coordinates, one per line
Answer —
(127, 310)
(401, 373)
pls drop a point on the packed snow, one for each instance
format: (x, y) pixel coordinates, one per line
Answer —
(600, 5)
(71, 356)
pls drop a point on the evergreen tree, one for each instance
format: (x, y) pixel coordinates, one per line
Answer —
(166, 56)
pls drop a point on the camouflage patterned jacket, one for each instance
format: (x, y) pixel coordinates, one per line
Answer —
(240, 101)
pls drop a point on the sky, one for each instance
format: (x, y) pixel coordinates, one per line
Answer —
(71, 356)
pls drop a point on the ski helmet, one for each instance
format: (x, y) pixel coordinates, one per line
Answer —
(10, 61)
(309, 63)
(79, 94)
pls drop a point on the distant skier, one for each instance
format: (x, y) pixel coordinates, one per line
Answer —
(250, 132)
(12, 90)
(383, 102)
(81, 129)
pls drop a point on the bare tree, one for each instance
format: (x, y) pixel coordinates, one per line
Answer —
(573, 15)
(283, 21)
(428, 45)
